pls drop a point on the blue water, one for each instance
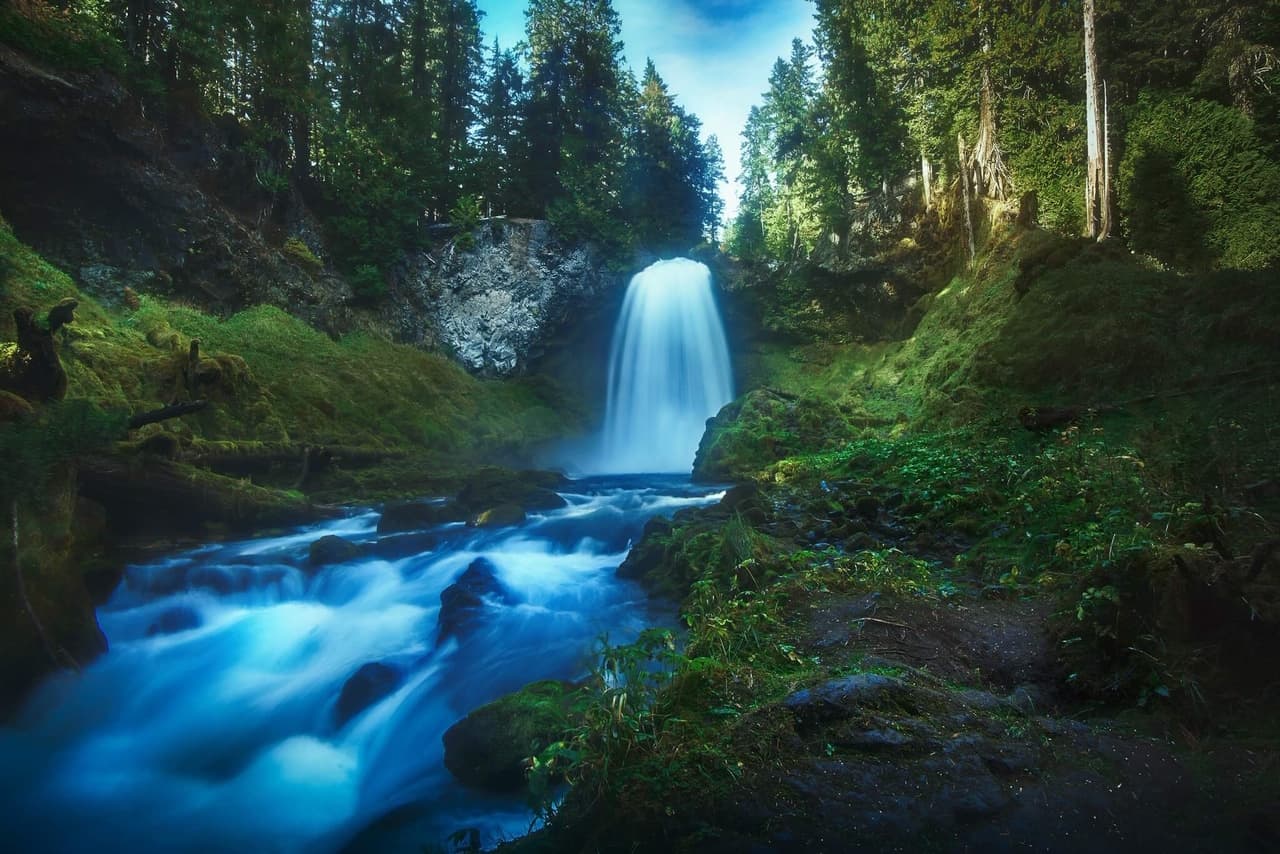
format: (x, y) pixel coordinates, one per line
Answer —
(210, 726)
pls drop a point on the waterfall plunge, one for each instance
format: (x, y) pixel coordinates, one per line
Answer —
(668, 371)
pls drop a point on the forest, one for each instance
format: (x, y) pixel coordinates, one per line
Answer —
(389, 116)
(421, 430)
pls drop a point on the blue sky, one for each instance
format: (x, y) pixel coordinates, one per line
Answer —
(715, 54)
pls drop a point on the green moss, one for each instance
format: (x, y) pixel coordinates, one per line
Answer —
(300, 253)
(279, 380)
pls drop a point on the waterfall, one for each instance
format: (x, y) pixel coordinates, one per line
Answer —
(668, 370)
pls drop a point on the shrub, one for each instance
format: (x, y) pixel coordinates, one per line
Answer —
(300, 253)
(68, 37)
(465, 217)
(368, 282)
(1197, 188)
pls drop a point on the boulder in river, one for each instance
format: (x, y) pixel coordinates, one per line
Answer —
(181, 618)
(416, 515)
(330, 550)
(366, 686)
(502, 516)
(530, 490)
(488, 748)
(465, 600)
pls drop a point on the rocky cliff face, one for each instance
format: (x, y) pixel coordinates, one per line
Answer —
(496, 305)
(175, 209)
(120, 201)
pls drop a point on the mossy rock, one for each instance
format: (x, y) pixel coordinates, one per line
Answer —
(488, 748)
(416, 515)
(502, 516)
(13, 408)
(491, 487)
(762, 427)
(330, 550)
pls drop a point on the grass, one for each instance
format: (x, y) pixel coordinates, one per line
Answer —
(280, 380)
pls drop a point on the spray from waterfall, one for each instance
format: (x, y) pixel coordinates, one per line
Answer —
(668, 370)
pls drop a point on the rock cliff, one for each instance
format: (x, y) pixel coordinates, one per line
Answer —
(497, 304)
(118, 200)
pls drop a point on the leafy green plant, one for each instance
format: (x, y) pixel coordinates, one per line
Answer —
(1197, 186)
(300, 253)
(465, 218)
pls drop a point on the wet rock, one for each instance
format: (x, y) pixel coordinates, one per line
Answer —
(180, 619)
(371, 683)
(502, 516)
(487, 749)
(529, 490)
(868, 507)
(838, 698)
(416, 515)
(648, 554)
(13, 408)
(330, 550)
(464, 602)
(875, 740)
(981, 796)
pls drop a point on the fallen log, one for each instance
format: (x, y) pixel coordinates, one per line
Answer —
(176, 410)
(158, 495)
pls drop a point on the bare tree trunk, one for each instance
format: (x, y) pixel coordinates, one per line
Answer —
(968, 203)
(990, 173)
(1096, 190)
(1106, 164)
(926, 176)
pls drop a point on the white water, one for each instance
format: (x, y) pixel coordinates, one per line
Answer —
(222, 736)
(668, 371)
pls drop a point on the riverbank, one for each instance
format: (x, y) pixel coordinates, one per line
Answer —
(293, 422)
(1007, 582)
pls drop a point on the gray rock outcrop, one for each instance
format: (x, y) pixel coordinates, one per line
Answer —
(496, 305)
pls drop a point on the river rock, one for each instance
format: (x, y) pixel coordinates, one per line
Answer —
(502, 516)
(649, 552)
(488, 748)
(465, 600)
(487, 488)
(330, 550)
(174, 620)
(366, 686)
(416, 515)
(498, 304)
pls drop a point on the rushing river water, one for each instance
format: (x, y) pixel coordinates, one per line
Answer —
(215, 722)
(210, 725)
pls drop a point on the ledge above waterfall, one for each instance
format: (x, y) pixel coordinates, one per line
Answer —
(496, 305)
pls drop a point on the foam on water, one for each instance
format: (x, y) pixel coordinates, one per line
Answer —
(220, 734)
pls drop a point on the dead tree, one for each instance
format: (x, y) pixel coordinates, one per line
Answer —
(31, 368)
(1097, 189)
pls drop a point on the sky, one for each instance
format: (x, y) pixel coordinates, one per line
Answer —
(715, 55)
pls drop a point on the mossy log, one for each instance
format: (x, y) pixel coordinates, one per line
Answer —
(158, 495)
(226, 458)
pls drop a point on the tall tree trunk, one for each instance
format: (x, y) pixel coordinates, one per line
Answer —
(420, 83)
(926, 178)
(991, 176)
(968, 202)
(304, 103)
(1096, 189)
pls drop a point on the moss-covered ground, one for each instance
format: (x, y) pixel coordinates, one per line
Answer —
(273, 379)
(908, 526)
